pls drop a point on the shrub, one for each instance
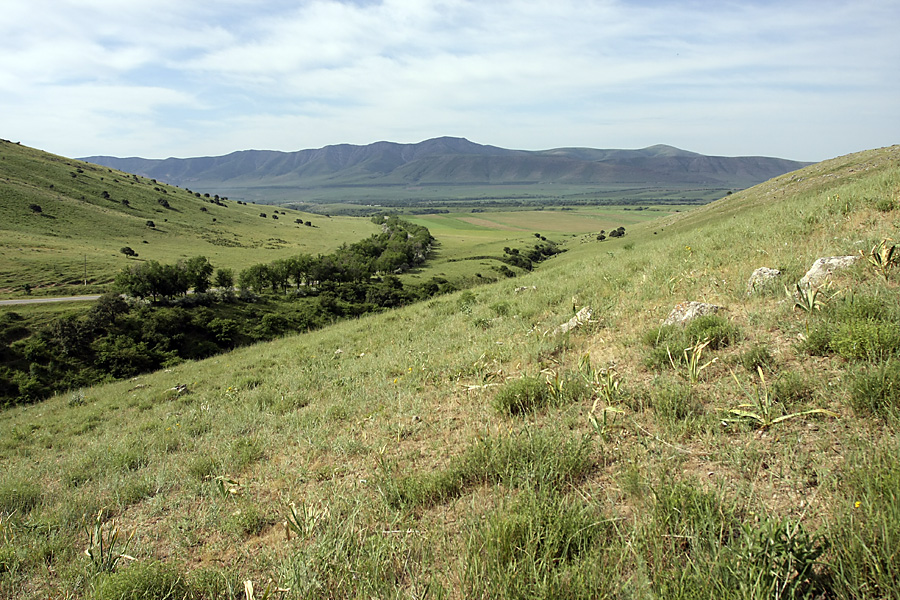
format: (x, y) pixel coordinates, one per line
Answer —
(858, 327)
(245, 521)
(885, 204)
(541, 546)
(876, 390)
(244, 452)
(790, 388)
(143, 581)
(718, 330)
(866, 340)
(758, 356)
(675, 404)
(671, 340)
(530, 458)
(523, 395)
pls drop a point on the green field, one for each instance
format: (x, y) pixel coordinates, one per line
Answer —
(473, 195)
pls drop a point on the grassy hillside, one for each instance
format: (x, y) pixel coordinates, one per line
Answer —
(464, 448)
(88, 213)
(470, 245)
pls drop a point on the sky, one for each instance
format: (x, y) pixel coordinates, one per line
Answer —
(805, 80)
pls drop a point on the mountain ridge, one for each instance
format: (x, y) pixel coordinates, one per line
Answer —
(454, 160)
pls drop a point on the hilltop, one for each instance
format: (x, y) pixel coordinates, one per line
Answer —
(63, 223)
(466, 447)
(454, 162)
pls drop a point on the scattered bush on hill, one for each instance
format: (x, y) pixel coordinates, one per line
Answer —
(671, 340)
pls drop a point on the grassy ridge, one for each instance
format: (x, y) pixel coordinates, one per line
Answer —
(370, 459)
(88, 213)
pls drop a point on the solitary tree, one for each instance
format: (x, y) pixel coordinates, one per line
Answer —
(35, 208)
(127, 251)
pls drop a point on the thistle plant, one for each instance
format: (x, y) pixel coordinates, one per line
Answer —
(760, 410)
(106, 547)
(605, 384)
(882, 258)
(693, 361)
(301, 521)
(806, 299)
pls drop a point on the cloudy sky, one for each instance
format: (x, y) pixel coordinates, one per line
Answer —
(806, 80)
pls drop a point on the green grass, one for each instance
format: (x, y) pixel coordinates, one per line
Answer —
(78, 235)
(407, 481)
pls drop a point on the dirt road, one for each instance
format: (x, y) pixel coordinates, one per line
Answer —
(44, 300)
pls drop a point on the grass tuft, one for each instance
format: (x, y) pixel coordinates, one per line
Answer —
(524, 395)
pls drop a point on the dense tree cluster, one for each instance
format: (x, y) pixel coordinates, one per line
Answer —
(157, 281)
(400, 246)
(525, 259)
(116, 338)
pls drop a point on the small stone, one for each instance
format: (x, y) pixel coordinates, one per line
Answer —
(761, 278)
(688, 311)
(822, 269)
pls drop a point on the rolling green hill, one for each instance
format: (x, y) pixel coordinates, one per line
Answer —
(85, 214)
(466, 447)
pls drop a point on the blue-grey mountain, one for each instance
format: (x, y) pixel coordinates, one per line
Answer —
(454, 161)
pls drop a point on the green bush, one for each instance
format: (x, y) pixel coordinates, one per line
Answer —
(246, 520)
(524, 395)
(865, 534)
(774, 559)
(244, 452)
(569, 387)
(791, 388)
(718, 330)
(143, 581)
(202, 467)
(9, 560)
(858, 327)
(541, 546)
(758, 356)
(885, 204)
(530, 458)
(868, 340)
(876, 390)
(675, 404)
(671, 340)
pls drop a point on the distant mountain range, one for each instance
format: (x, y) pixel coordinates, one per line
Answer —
(454, 161)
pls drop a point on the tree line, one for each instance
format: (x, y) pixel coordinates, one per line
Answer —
(116, 338)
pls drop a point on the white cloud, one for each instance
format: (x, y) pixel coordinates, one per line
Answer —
(529, 74)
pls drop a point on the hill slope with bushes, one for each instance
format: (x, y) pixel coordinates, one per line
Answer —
(65, 225)
(469, 447)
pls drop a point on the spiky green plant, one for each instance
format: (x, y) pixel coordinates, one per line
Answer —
(882, 257)
(760, 410)
(693, 362)
(106, 546)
